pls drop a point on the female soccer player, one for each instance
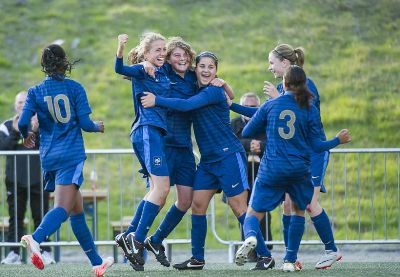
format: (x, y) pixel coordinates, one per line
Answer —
(280, 58)
(222, 164)
(148, 130)
(63, 110)
(292, 126)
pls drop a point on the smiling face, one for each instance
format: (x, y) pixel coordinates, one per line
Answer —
(277, 66)
(156, 53)
(179, 60)
(206, 70)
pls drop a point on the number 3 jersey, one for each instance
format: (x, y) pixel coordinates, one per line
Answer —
(58, 105)
(291, 132)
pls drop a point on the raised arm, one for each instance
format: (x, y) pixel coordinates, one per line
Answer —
(119, 67)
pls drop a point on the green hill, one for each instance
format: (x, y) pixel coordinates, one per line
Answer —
(351, 53)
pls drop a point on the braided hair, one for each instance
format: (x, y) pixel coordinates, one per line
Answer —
(55, 63)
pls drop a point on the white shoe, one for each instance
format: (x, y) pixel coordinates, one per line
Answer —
(100, 270)
(12, 258)
(328, 259)
(47, 258)
(241, 255)
(290, 267)
(28, 242)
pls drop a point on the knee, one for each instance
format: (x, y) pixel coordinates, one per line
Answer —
(198, 207)
(183, 204)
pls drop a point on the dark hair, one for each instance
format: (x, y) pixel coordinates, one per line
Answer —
(207, 54)
(296, 81)
(55, 63)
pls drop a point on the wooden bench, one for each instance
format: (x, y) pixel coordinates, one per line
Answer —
(122, 225)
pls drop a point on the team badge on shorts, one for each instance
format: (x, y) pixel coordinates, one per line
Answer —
(157, 161)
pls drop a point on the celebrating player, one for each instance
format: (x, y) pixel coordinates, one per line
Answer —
(63, 110)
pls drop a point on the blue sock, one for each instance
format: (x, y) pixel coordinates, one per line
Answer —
(150, 211)
(296, 230)
(252, 228)
(199, 232)
(171, 219)
(51, 222)
(136, 218)
(324, 230)
(83, 235)
(286, 223)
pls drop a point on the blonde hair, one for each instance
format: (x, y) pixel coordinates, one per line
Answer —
(136, 55)
(293, 55)
(178, 42)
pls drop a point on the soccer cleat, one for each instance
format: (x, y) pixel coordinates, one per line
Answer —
(47, 259)
(136, 255)
(290, 267)
(28, 242)
(241, 255)
(158, 250)
(264, 263)
(298, 264)
(191, 264)
(123, 243)
(100, 270)
(12, 258)
(328, 259)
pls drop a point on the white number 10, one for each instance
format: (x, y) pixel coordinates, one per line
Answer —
(54, 108)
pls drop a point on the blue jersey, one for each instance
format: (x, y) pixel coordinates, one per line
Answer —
(58, 105)
(316, 102)
(179, 123)
(292, 133)
(210, 122)
(141, 82)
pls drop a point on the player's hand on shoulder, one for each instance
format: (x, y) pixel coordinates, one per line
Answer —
(100, 125)
(217, 82)
(344, 136)
(270, 90)
(149, 69)
(30, 140)
(148, 100)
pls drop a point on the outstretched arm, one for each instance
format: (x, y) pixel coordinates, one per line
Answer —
(341, 138)
(90, 126)
(183, 105)
(256, 125)
(246, 111)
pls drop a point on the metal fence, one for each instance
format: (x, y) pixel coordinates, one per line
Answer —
(363, 201)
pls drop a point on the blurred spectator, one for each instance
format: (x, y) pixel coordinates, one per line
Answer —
(254, 149)
(27, 180)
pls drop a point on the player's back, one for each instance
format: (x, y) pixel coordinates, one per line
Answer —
(58, 105)
(287, 153)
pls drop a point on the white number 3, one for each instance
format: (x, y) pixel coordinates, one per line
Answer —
(289, 124)
(54, 108)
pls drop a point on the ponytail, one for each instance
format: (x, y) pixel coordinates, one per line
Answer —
(296, 81)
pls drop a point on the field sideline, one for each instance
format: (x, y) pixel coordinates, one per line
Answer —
(212, 269)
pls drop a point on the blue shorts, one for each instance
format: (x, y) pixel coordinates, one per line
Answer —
(319, 163)
(63, 176)
(148, 144)
(181, 165)
(265, 198)
(228, 175)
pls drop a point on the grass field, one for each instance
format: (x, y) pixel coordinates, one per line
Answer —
(212, 269)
